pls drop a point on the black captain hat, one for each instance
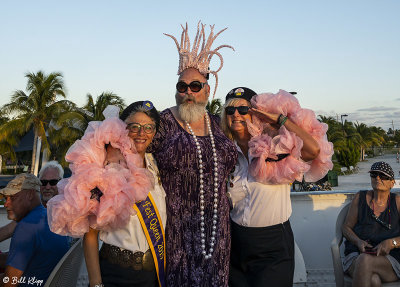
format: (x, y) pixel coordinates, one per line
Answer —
(240, 93)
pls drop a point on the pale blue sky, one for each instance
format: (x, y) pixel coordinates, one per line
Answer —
(342, 57)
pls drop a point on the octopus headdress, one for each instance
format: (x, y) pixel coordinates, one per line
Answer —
(200, 55)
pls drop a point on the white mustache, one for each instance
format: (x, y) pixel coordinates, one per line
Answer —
(188, 97)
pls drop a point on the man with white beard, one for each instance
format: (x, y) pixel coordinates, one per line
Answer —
(194, 159)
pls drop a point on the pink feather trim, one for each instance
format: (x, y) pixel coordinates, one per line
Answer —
(267, 143)
(72, 211)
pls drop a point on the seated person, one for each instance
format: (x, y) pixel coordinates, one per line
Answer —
(49, 175)
(34, 249)
(372, 230)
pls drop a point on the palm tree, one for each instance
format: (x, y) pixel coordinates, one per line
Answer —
(369, 137)
(72, 122)
(214, 107)
(335, 132)
(8, 140)
(35, 109)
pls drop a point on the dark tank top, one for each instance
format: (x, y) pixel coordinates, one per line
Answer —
(369, 229)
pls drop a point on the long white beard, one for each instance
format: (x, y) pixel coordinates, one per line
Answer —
(191, 112)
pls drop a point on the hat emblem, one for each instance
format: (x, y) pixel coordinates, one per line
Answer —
(147, 105)
(239, 92)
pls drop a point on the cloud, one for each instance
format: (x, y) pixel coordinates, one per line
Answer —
(374, 116)
(378, 109)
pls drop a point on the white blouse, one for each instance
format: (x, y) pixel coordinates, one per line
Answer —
(256, 204)
(131, 236)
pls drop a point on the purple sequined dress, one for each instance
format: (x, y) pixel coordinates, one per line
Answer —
(175, 152)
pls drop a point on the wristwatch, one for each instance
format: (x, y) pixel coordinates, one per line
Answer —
(395, 243)
(99, 285)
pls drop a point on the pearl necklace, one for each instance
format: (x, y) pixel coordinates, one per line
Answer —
(201, 191)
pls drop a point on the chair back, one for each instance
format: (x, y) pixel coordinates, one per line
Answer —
(340, 221)
(335, 247)
(67, 269)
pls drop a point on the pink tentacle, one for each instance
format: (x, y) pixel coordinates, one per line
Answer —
(216, 35)
(173, 38)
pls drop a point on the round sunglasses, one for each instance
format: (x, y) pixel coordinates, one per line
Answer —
(135, 128)
(194, 86)
(381, 175)
(243, 110)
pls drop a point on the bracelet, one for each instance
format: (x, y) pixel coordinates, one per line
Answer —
(99, 285)
(281, 120)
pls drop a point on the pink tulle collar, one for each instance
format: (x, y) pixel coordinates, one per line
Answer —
(75, 209)
(267, 143)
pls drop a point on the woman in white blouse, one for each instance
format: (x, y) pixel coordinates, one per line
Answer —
(262, 251)
(125, 258)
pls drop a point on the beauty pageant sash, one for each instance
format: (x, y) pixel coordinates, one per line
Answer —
(153, 229)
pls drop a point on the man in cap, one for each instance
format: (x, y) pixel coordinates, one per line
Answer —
(34, 249)
(49, 175)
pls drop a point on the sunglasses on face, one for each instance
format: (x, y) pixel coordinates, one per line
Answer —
(135, 128)
(52, 182)
(243, 110)
(194, 86)
(381, 175)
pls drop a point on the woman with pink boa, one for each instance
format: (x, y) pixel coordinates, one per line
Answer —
(111, 171)
(277, 142)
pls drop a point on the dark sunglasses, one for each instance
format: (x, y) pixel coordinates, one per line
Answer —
(381, 175)
(194, 86)
(52, 182)
(135, 128)
(243, 110)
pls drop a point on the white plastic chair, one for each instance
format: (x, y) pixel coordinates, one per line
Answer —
(341, 278)
(343, 170)
(67, 269)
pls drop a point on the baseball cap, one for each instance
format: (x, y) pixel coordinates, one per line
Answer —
(240, 93)
(20, 182)
(382, 167)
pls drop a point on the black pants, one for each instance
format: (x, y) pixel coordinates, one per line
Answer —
(114, 275)
(262, 256)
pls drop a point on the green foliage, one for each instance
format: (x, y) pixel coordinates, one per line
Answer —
(350, 140)
(214, 107)
(32, 110)
(72, 121)
(396, 137)
(348, 156)
(58, 122)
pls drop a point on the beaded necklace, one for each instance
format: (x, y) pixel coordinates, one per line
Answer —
(201, 191)
(377, 219)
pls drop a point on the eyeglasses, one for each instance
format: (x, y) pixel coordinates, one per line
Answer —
(194, 86)
(243, 110)
(135, 128)
(52, 182)
(381, 175)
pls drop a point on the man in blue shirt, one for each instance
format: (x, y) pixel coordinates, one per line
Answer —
(49, 175)
(34, 249)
